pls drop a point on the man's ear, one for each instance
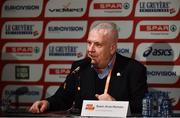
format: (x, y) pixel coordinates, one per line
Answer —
(113, 48)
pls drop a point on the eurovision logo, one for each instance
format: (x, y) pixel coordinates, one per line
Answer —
(21, 8)
(163, 74)
(65, 30)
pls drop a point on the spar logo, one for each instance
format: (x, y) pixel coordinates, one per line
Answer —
(22, 49)
(111, 6)
(59, 71)
(89, 107)
(157, 52)
(158, 28)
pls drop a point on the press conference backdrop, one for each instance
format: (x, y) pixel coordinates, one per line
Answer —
(41, 38)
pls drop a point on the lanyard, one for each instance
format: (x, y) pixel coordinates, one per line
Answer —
(107, 82)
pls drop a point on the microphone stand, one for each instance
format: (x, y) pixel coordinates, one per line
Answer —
(5, 103)
(20, 91)
(17, 101)
(75, 107)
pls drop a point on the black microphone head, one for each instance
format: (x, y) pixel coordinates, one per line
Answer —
(21, 91)
(88, 60)
(81, 64)
(85, 62)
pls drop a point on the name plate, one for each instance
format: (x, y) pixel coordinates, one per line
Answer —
(105, 108)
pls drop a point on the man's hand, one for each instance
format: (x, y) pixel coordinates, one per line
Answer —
(39, 106)
(105, 97)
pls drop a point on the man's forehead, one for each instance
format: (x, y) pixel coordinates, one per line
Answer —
(99, 31)
(96, 40)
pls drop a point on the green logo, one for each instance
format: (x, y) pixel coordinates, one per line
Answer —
(36, 49)
(173, 28)
(126, 5)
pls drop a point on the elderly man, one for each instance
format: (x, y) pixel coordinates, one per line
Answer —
(108, 76)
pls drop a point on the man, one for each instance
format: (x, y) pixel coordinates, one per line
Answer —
(109, 76)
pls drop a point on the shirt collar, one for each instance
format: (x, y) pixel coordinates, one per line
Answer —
(107, 68)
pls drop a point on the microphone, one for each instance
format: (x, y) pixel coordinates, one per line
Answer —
(7, 101)
(82, 64)
(21, 91)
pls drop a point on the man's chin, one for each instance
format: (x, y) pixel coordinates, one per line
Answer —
(94, 63)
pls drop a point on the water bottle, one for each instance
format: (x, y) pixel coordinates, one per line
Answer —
(166, 109)
(154, 103)
(160, 99)
(147, 105)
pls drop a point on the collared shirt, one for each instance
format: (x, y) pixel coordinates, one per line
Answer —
(106, 69)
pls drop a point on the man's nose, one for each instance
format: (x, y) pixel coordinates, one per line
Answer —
(91, 48)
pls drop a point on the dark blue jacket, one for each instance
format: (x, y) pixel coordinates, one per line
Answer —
(130, 86)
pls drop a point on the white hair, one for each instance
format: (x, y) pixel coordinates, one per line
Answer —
(111, 29)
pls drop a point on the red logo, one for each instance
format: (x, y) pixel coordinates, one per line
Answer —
(19, 49)
(172, 11)
(108, 6)
(158, 28)
(89, 107)
(57, 71)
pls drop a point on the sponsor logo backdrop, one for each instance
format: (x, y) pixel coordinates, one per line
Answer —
(39, 40)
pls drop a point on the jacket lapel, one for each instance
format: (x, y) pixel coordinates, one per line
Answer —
(88, 83)
(118, 71)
